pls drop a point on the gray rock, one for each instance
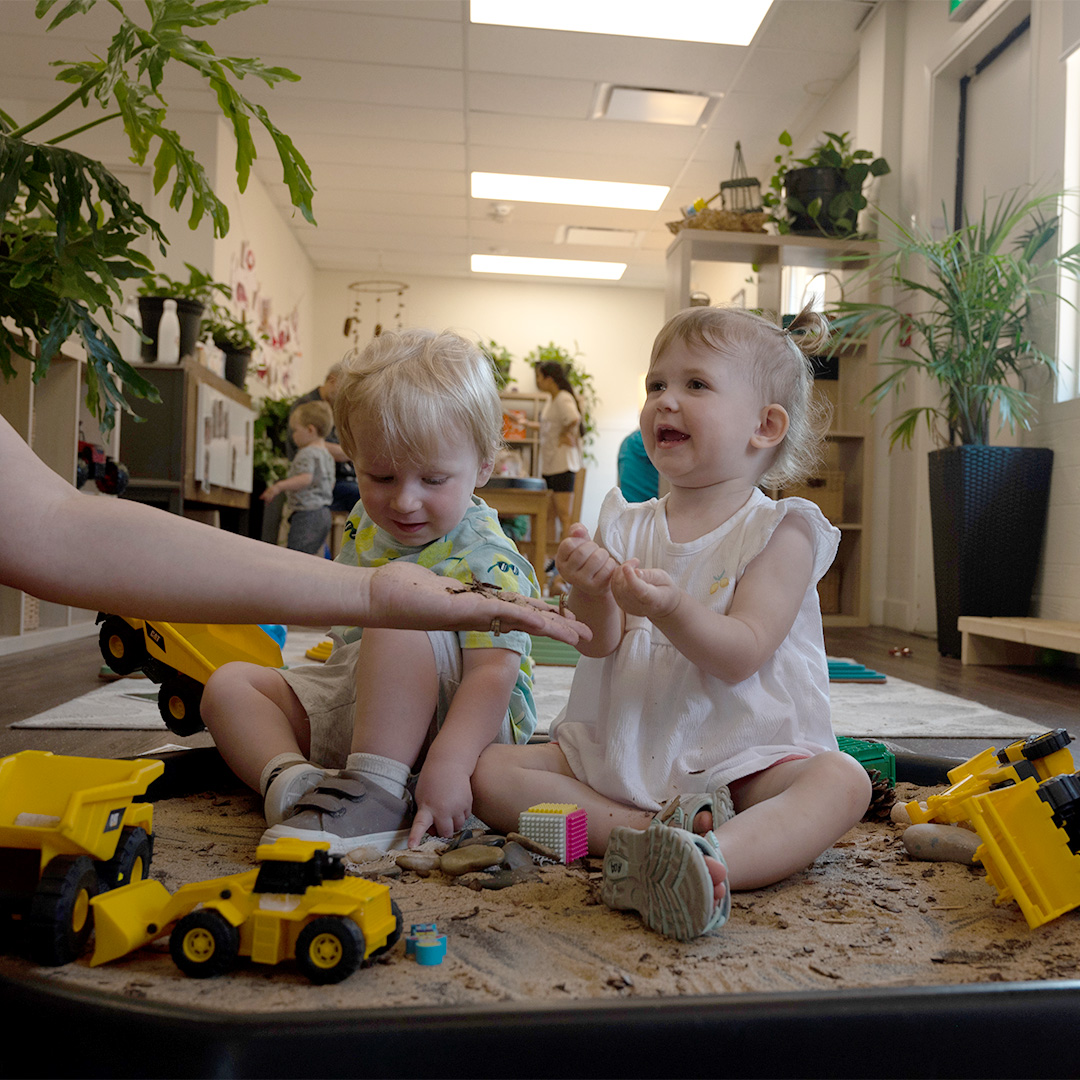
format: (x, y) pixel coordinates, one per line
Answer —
(517, 858)
(532, 845)
(941, 843)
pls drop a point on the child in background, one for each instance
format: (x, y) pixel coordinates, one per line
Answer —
(419, 414)
(704, 693)
(310, 483)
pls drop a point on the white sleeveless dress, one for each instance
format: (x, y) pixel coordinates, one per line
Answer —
(645, 724)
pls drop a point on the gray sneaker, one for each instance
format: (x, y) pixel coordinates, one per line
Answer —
(347, 811)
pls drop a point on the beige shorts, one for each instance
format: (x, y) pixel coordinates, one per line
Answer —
(328, 694)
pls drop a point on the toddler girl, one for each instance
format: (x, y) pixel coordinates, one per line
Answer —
(703, 694)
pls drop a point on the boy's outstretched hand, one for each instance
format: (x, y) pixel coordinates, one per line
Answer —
(410, 597)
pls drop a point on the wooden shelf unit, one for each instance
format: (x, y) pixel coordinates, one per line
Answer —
(530, 404)
(48, 416)
(847, 586)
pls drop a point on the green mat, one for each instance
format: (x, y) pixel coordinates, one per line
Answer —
(554, 653)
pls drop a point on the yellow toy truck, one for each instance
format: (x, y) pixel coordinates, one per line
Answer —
(181, 657)
(69, 830)
(297, 903)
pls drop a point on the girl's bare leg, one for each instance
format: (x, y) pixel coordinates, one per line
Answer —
(788, 815)
(254, 716)
(397, 691)
(509, 779)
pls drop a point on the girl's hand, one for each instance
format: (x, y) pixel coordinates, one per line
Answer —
(583, 563)
(648, 594)
(269, 494)
(443, 801)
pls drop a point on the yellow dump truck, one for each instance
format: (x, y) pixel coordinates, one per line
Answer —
(297, 904)
(68, 831)
(181, 657)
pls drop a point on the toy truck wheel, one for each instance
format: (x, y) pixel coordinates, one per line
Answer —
(395, 936)
(1039, 746)
(115, 480)
(178, 702)
(204, 944)
(122, 646)
(60, 914)
(329, 949)
(130, 862)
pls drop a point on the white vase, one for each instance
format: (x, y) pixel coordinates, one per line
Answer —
(168, 335)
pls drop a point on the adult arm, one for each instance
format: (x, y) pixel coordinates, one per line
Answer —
(129, 559)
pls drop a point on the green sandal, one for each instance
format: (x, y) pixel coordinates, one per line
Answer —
(661, 874)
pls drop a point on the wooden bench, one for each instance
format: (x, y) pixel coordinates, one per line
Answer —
(985, 640)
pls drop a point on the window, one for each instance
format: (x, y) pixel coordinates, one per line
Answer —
(1068, 381)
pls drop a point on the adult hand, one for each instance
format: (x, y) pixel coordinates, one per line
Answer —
(410, 597)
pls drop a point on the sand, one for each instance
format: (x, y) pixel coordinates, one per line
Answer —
(863, 915)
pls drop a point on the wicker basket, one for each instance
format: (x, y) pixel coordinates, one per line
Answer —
(723, 221)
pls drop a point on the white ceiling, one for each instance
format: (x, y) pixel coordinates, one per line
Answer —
(400, 100)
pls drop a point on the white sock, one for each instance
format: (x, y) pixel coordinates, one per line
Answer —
(275, 765)
(389, 774)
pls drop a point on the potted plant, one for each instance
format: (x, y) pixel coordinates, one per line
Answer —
(961, 317)
(501, 359)
(192, 299)
(821, 194)
(235, 339)
(70, 231)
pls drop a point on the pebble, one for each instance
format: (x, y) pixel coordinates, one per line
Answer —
(487, 839)
(899, 814)
(476, 857)
(499, 879)
(517, 858)
(941, 843)
(532, 845)
(419, 860)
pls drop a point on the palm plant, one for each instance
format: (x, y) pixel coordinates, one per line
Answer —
(962, 314)
(69, 229)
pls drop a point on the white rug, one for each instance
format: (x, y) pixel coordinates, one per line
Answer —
(891, 710)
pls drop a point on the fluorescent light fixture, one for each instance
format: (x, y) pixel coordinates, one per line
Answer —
(674, 20)
(508, 187)
(575, 268)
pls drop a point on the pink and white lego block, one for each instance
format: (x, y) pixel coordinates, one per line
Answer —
(562, 827)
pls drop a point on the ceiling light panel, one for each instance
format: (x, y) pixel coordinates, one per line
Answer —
(510, 187)
(673, 20)
(569, 268)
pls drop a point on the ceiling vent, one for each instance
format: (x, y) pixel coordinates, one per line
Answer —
(640, 105)
(589, 236)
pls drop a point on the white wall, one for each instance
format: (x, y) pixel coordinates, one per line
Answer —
(612, 328)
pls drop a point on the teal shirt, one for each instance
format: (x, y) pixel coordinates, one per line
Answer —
(476, 550)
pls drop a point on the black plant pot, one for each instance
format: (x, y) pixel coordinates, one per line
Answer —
(189, 313)
(988, 517)
(806, 185)
(236, 366)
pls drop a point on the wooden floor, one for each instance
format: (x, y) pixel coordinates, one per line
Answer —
(34, 681)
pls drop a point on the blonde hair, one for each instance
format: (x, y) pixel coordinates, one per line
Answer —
(316, 414)
(778, 360)
(410, 386)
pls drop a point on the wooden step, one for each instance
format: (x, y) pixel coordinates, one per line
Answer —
(986, 640)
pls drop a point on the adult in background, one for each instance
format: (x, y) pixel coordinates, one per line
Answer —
(560, 438)
(638, 479)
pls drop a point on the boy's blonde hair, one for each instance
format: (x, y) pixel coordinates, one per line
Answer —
(316, 414)
(779, 366)
(410, 386)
